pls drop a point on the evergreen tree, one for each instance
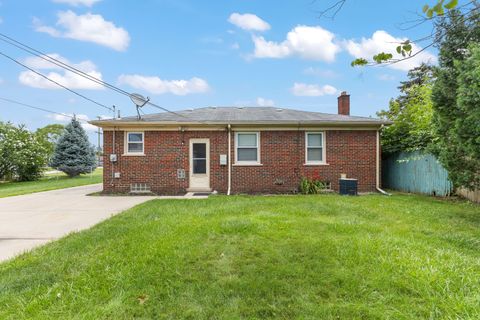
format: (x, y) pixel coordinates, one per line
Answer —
(73, 153)
(452, 117)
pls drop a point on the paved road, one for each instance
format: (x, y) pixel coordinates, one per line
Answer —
(27, 221)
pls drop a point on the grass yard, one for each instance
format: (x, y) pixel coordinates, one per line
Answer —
(243, 257)
(49, 182)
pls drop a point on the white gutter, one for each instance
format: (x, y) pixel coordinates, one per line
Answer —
(106, 123)
(228, 160)
(377, 183)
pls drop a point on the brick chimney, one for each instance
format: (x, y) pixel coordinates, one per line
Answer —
(344, 103)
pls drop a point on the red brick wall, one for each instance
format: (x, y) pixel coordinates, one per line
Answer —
(282, 154)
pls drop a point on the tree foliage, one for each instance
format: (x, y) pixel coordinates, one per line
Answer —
(455, 99)
(22, 155)
(431, 14)
(411, 114)
(467, 125)
(49, 136)
(73, 153)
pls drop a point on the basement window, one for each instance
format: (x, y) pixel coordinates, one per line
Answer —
(134, 143)
(139, 188)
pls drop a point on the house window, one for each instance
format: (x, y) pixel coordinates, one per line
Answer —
(247, 147)
(135, 143)
(314, 148)
(199, 158)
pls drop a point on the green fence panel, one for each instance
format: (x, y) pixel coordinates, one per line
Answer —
(415, 172)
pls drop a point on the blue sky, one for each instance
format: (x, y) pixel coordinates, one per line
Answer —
(185, 54)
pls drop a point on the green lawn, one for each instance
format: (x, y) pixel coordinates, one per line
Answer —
(49, 182)
(245, 257)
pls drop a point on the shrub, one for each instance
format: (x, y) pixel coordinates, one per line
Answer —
(308, 186)
(22, 156)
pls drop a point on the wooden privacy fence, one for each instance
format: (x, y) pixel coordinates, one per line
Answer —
(470, 195)
(415, 172)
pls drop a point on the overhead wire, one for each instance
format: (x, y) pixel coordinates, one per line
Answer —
(55, 82)
(42, 109)
(46, 57)
(61, 64)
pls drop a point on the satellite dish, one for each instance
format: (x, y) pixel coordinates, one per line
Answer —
(138, 99)
(139, 102)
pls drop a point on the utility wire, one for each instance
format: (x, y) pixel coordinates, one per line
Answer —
(55, 82)
(61, 64)
(46, 57)
(41, 109)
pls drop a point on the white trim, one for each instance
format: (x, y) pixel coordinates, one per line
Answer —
(324, 149)
(247, 163)
(126, 142)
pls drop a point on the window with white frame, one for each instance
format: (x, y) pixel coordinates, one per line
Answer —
(134, 143)
(247, 147)
(314, 148)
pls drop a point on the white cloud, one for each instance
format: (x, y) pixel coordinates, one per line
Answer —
(66, 78)
(67, 117)
(235, 46)
(312, 90)
(76, 3)
(155, 85)
(248, 21)
(262, 102)
(88, 27)
(382, 41)
(312, 43)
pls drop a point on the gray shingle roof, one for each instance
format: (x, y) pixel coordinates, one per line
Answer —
(245, 115)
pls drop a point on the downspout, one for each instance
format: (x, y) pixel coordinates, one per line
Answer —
(112, 164)
(377, 184)
(229, 129)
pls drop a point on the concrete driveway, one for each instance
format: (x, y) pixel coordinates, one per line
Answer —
(31, 220)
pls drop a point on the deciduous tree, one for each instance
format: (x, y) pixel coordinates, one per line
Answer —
(411, 114)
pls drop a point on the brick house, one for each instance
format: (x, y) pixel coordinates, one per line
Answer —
(239, 150)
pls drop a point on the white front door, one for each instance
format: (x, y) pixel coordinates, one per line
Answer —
(199, 165)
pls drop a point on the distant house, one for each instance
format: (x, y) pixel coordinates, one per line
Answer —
(239, 150)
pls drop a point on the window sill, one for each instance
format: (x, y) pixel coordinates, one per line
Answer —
(239, 164)
(133, 155)
(313, 164)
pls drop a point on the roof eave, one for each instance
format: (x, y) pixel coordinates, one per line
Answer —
(120, 123)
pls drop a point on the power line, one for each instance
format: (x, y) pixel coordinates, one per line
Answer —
(55, 82)
(41, 109)
(46, 57)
